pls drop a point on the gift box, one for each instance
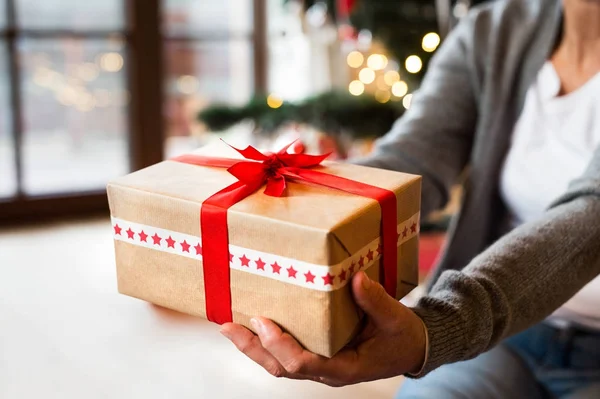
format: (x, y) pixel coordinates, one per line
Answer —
(182, 241)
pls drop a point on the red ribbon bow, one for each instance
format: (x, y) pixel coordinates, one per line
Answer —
(273, 170)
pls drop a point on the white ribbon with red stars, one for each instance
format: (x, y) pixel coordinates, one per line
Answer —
(287, 270)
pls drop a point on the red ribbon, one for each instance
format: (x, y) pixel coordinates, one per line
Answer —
(274, 170)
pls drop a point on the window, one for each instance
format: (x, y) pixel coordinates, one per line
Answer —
(70, 115)
(210, 54)
(73, 94)
(92, 89)
(64, 98)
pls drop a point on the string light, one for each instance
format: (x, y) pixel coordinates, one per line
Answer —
(382, 96)
(356, 88)
(187, 84)
(407, 101)
(391, 77)
(413, 64)
(355, 59)
(377, 61)
(430, 42)
(111, 62)
(274, 101)
(366, 75)
(399, 89)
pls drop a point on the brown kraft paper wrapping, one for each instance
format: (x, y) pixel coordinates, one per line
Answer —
(312, 224)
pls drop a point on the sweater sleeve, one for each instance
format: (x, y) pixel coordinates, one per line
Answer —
(434, 138)
(519, 280)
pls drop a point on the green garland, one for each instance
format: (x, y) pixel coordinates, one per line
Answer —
(333, 112)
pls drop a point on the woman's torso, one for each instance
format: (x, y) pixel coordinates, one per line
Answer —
(553, 142)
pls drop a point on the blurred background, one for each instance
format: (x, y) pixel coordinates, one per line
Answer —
(94, 89)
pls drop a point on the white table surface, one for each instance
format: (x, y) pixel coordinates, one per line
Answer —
(65, 332)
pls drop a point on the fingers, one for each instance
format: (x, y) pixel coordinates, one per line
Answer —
(381, 308)
(282, 356)
(338, 370)
(250, 345)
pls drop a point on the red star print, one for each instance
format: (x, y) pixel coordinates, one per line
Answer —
(117, 229)
(361, 262)
(245, 261)
(370, 255)
(351, 268)
(379, 249)
(276, 267)
(230, 258)
(130, 233)
(310, 278)
(260, 265)
(291, 272)
(342, 275)
(185, 247)
(198, 249)
(156, 239)
(143, 236)
(170, 243)
(405, 232)
(328, 279)
(413, 228)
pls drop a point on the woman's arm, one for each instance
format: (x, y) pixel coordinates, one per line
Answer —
(519, 280)
(435, 136)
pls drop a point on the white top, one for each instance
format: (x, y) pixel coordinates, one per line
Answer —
(553, 142)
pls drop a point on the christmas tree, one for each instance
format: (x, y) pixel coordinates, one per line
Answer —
(382, 75)
(333, 112)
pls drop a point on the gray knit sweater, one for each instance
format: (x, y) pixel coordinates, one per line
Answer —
(491, 283)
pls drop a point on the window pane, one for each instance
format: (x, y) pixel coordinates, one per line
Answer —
(2, 13)
(292, 61)
(198, 74)
(202, 17)
(8, 180)
(75, 108)
(71, 14)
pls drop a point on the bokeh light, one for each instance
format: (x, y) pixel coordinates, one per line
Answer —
(187, 84)
(274, 101)
(366, 75)
(383, 96)
(355, 59)
(377, 61)
(111, 62)
(431, 41)
(356, 88)
(407, 101)
(391, 77)
(400, 89)
(413, 64)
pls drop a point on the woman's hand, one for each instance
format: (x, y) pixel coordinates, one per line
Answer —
(392, 343)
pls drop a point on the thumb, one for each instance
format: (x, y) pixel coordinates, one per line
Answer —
(372, 298)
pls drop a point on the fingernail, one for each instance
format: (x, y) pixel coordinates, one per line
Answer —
(366, 283)
(257, 325)
(225, 333)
